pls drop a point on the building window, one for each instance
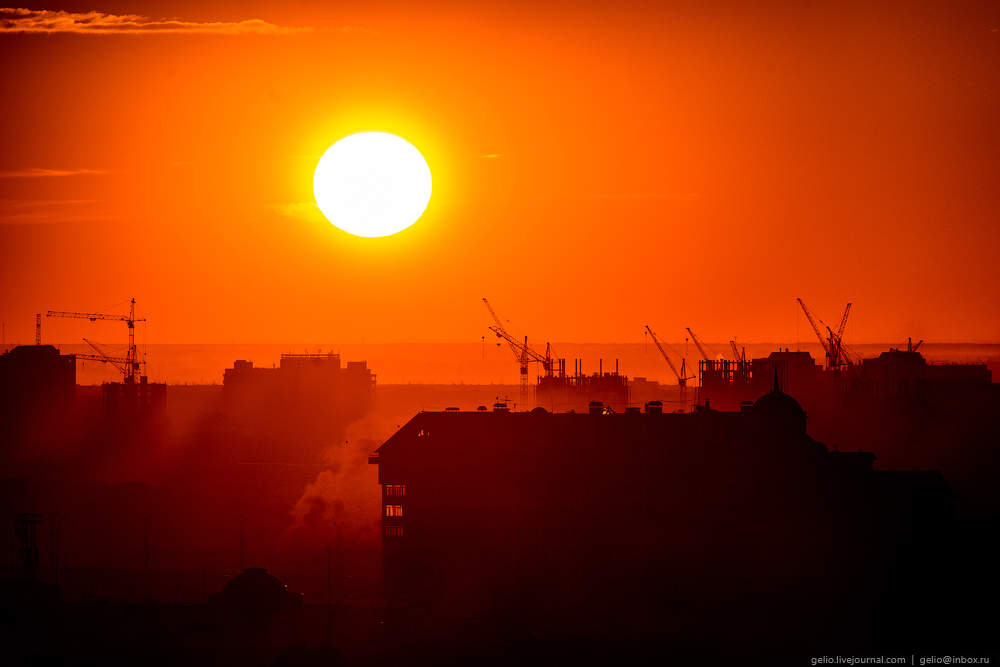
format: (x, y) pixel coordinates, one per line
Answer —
(395, 489)
(394, 510)
(394, 531)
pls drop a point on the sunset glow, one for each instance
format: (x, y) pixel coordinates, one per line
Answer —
(449, 333)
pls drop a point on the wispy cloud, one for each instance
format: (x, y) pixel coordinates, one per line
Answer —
(306, 211)
(36, 172)
(491, 155)
(14, 20)
(665, 196)
(34, 212)
(357, 30)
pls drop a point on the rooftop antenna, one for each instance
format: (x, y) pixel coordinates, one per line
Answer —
(25, 527)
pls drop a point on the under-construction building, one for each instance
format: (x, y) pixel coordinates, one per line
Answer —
(727, 383)
(565, 393)
(129, 400)
(894, 375)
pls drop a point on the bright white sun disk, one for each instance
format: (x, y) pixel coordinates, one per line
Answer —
(372, 184)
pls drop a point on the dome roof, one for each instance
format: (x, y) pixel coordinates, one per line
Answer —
(255, 583)
(778, 405)
(255, 592)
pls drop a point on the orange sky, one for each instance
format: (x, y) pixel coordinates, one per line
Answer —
(596, 168)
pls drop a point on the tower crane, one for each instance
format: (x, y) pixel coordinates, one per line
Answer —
(132, 362)
(837, 341)
(525, 355)
(833, 345)
(739, 356)
(682, 376)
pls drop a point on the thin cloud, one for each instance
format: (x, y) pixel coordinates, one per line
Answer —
(491, 155)
(35, 212)
(357, 30)
(665, 196)
(15, 20)
(36, 172)
(305, 211)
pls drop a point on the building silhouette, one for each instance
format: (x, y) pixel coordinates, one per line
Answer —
(307, 395)
(678, 511)
(306, 381)
(37, 397)
(37, 375)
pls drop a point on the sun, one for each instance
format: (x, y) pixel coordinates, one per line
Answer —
(372, 184)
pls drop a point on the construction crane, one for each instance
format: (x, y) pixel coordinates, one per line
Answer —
(682, 376)
(704, 355)
(837, 341)
(38, 329)
(833, 345)
(118, 362)
(525, 355)
(132, 362)
(739, 356)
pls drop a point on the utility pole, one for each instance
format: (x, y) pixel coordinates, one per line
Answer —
(329, 597)
(243, 529)
(145, 539)
(339, 565)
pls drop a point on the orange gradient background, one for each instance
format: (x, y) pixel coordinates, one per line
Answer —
(596, 168)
